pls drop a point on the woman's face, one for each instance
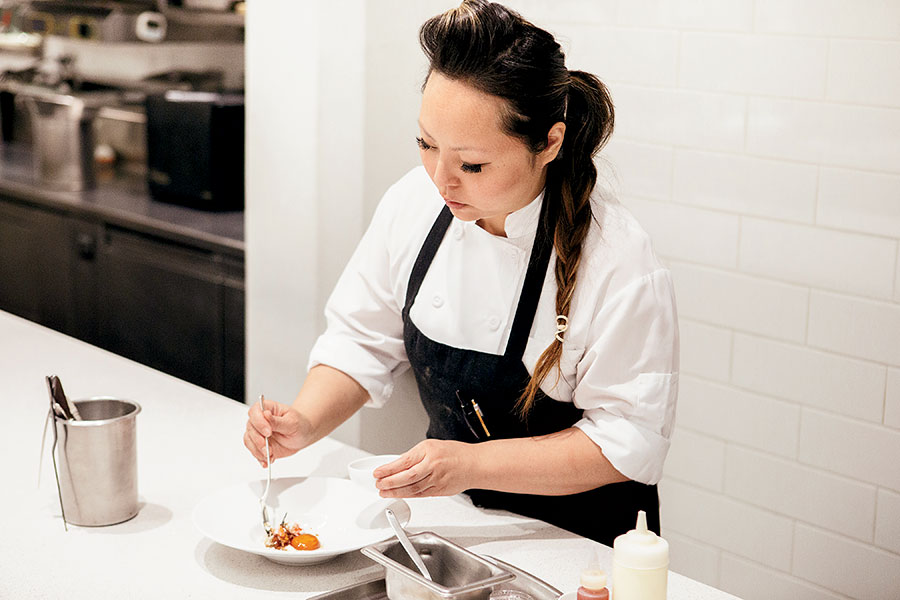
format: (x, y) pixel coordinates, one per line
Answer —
(482, 173)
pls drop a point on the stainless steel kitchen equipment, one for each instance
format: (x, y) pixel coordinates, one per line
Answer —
(195, 149)
(123, 128)
(98, 462)
(525, 586)
(407, 545)
(459, 574)
(62, 135)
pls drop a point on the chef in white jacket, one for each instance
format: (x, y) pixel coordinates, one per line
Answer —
(538, 322)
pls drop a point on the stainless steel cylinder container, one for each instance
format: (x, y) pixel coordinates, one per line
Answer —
(97, 459)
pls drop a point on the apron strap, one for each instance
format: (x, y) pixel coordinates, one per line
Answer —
(531, 288)
(534, 281)
(426, 254)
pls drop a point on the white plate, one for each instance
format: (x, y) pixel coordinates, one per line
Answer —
(344, 515)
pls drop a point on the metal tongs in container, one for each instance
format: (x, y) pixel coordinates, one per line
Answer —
(58, 401)
(60, 407)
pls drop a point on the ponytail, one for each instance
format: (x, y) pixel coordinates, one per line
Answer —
(570, 181)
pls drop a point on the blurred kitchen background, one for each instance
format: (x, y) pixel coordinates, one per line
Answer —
(758, 141)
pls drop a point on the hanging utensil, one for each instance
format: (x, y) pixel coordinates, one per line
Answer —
(265, 495)
(407, 545)
(56, 411)
(62, 508)
(59, 396)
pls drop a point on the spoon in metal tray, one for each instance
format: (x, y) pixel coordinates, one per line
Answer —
(407, 545)
(265, 495)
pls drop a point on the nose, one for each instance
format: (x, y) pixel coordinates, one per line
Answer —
(443, 177)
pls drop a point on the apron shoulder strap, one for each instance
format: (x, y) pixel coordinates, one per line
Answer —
(534, 282)
(426, 254)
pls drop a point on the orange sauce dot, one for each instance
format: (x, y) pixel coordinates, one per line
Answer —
(305, 541)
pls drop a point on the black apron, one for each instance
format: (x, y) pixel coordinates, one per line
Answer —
(449, 379)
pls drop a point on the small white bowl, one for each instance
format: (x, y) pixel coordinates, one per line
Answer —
(360, 470)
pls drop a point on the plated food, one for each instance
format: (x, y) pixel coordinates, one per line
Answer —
(291, 535)
(341, 515)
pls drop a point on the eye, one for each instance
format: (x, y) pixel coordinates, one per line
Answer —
(468, 168)
(423, 144)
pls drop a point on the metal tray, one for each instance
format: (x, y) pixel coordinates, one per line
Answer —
(525, 586)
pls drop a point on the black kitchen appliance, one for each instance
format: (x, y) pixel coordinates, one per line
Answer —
(195, 149)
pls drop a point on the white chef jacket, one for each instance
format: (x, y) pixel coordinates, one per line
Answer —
(620, 355)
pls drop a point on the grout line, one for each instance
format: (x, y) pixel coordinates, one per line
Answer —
(798, 403)
(896, 272)
(678, 47)
(717, 30)
(750, 155)
(731, 341)
(875, 520)
(776, 513)
(766, 278)
(618, 84)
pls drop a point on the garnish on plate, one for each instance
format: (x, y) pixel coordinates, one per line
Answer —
(291, 535)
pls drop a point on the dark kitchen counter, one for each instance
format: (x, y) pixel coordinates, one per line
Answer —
(122, 199)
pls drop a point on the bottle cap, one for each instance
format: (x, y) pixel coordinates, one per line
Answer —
(593, 579)
(640, 548)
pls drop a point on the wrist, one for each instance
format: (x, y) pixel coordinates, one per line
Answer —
(473, 466)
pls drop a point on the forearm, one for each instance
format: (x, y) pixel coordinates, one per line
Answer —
(327, 398)
(566, 462)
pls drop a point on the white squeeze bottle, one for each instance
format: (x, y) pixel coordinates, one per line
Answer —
(640, 564)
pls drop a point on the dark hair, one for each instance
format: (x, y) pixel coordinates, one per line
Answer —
(496, 51)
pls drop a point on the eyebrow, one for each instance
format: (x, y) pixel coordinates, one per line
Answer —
(454, 148)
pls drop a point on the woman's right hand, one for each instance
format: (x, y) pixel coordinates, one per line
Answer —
(285, 427)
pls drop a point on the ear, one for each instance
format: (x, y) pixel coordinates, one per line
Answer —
(554, 143)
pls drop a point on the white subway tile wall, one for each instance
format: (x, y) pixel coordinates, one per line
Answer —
(859, 201)
(715, 234)
(706, 350)
(892, 399)
(642, 170)
(729, 524)
(758, 142)
(863, 451)
(697, 459)
(846, 566)
(747, 579)
(746, 185)
(690, 556)
(887, 521)
(852, 387)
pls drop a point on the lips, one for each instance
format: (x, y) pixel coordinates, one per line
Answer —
(453, 204)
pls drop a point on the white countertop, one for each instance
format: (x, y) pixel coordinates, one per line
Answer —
(189, 444)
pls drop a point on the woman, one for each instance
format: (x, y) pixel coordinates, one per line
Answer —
(550, 392)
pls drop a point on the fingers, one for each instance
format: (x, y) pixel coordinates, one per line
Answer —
(401, 463)
(256, 444)
(259, 419)
(406, 479)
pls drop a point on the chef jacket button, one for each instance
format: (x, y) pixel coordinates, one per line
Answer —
(458, 233)
(437, 302)
(494, 323)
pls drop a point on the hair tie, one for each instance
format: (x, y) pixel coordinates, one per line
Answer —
(561, 327)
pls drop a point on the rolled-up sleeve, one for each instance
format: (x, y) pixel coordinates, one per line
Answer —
(364, 334)
(627, 379)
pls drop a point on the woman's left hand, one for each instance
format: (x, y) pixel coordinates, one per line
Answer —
(430, 468)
